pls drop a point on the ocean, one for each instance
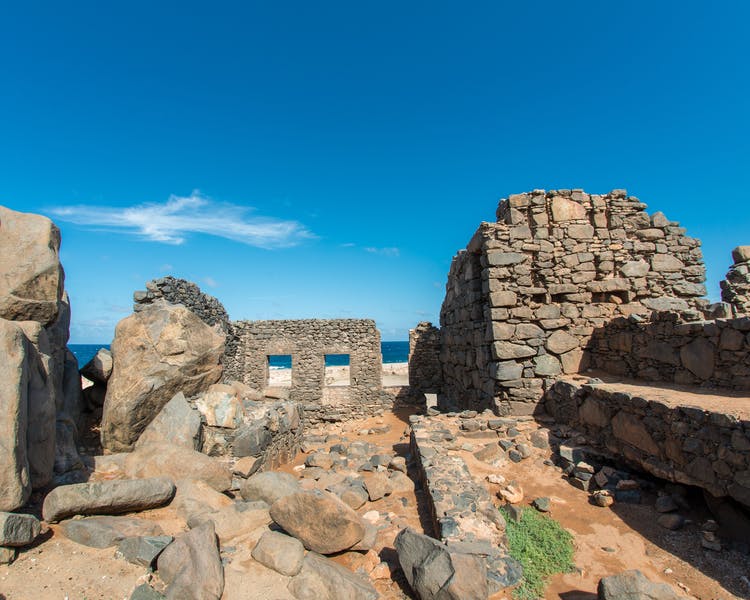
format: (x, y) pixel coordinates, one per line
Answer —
(393, 352)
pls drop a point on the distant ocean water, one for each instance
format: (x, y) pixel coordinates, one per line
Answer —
(393, 352)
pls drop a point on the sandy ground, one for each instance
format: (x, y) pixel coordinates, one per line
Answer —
(394, 374)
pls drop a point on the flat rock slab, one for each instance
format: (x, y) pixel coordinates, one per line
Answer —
(107, 497)
(191, 566)
(175, 462)
(142, 550)
(634, 584)
(282, 553)
(323, 579)
(103, 532)
(321, 521)
(236, 520)
(18, 530)
(269, 486)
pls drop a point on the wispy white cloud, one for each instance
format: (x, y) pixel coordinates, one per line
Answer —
(173, 221)
(210, 282)
(392, 252)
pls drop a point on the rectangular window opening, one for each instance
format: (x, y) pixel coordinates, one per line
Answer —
(338, 372)
(279, 370)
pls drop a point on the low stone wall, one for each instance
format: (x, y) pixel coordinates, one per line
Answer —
(708, 353)
(425, 372)
(685, 444)
(461, 509)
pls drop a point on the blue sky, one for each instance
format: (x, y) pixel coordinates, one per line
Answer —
(328, 159)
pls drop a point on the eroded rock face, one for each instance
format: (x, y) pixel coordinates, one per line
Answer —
(157, 352)
(633, 584)
(32, 277)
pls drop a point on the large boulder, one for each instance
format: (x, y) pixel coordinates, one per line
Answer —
(323, 579)
(177, 423)
(435, 573)
(321, 521)
(157, 352)
(15, 483)
(176, 462)
(107, 497)
(31, 277)
(269, 486)
(99, 368)
(106, 531)
(191, 566)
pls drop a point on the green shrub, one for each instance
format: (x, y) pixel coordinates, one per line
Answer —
(542, 547)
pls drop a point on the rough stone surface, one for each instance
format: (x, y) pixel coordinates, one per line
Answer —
(175, 462)
(279, 552)
(99, 368)
(106, 531)
(18, 529)
(157, 352)
(323, 579)
(143, 550)
(633, 585)
(107, 497)
(191, 566)
(177, 423)
(321, 521)
(269, 487)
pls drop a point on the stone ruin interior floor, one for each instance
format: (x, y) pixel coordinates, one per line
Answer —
(607, 540)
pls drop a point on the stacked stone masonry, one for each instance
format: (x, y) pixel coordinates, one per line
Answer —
(461, 509)
(425, 374)
(180, 291)
(685, 444)
(735, 289)
(661, 348)
(308, 341)
(525, 297)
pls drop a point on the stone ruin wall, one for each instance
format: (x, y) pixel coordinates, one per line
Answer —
(525, 298)
(685, 444)
(308, 341)
(425, 374)
(735, 289)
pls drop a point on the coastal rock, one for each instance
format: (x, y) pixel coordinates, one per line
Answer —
(157, 352)
(106, 531)
(269, 486)
(321, 521)
(323, 579)
(220, 406)
(142, 550)
(191, 566)
(15, 483)
(107, 497)
(99, 368)
(32, 277)
(175, 462)
(177, 423)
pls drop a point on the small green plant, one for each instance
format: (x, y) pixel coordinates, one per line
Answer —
(542, 547)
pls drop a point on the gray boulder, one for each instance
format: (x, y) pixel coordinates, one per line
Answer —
(176, 462)
(107, 497)
(433, 572)
(323, 579)
(142, 550)
(157, 352)
(633, 585)
(321, 521)
(191, 566)
(17, 529)
(268, 486)
(279, 552)
(106, 531)
(177, 423)
(99, 368)
(236, 520)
